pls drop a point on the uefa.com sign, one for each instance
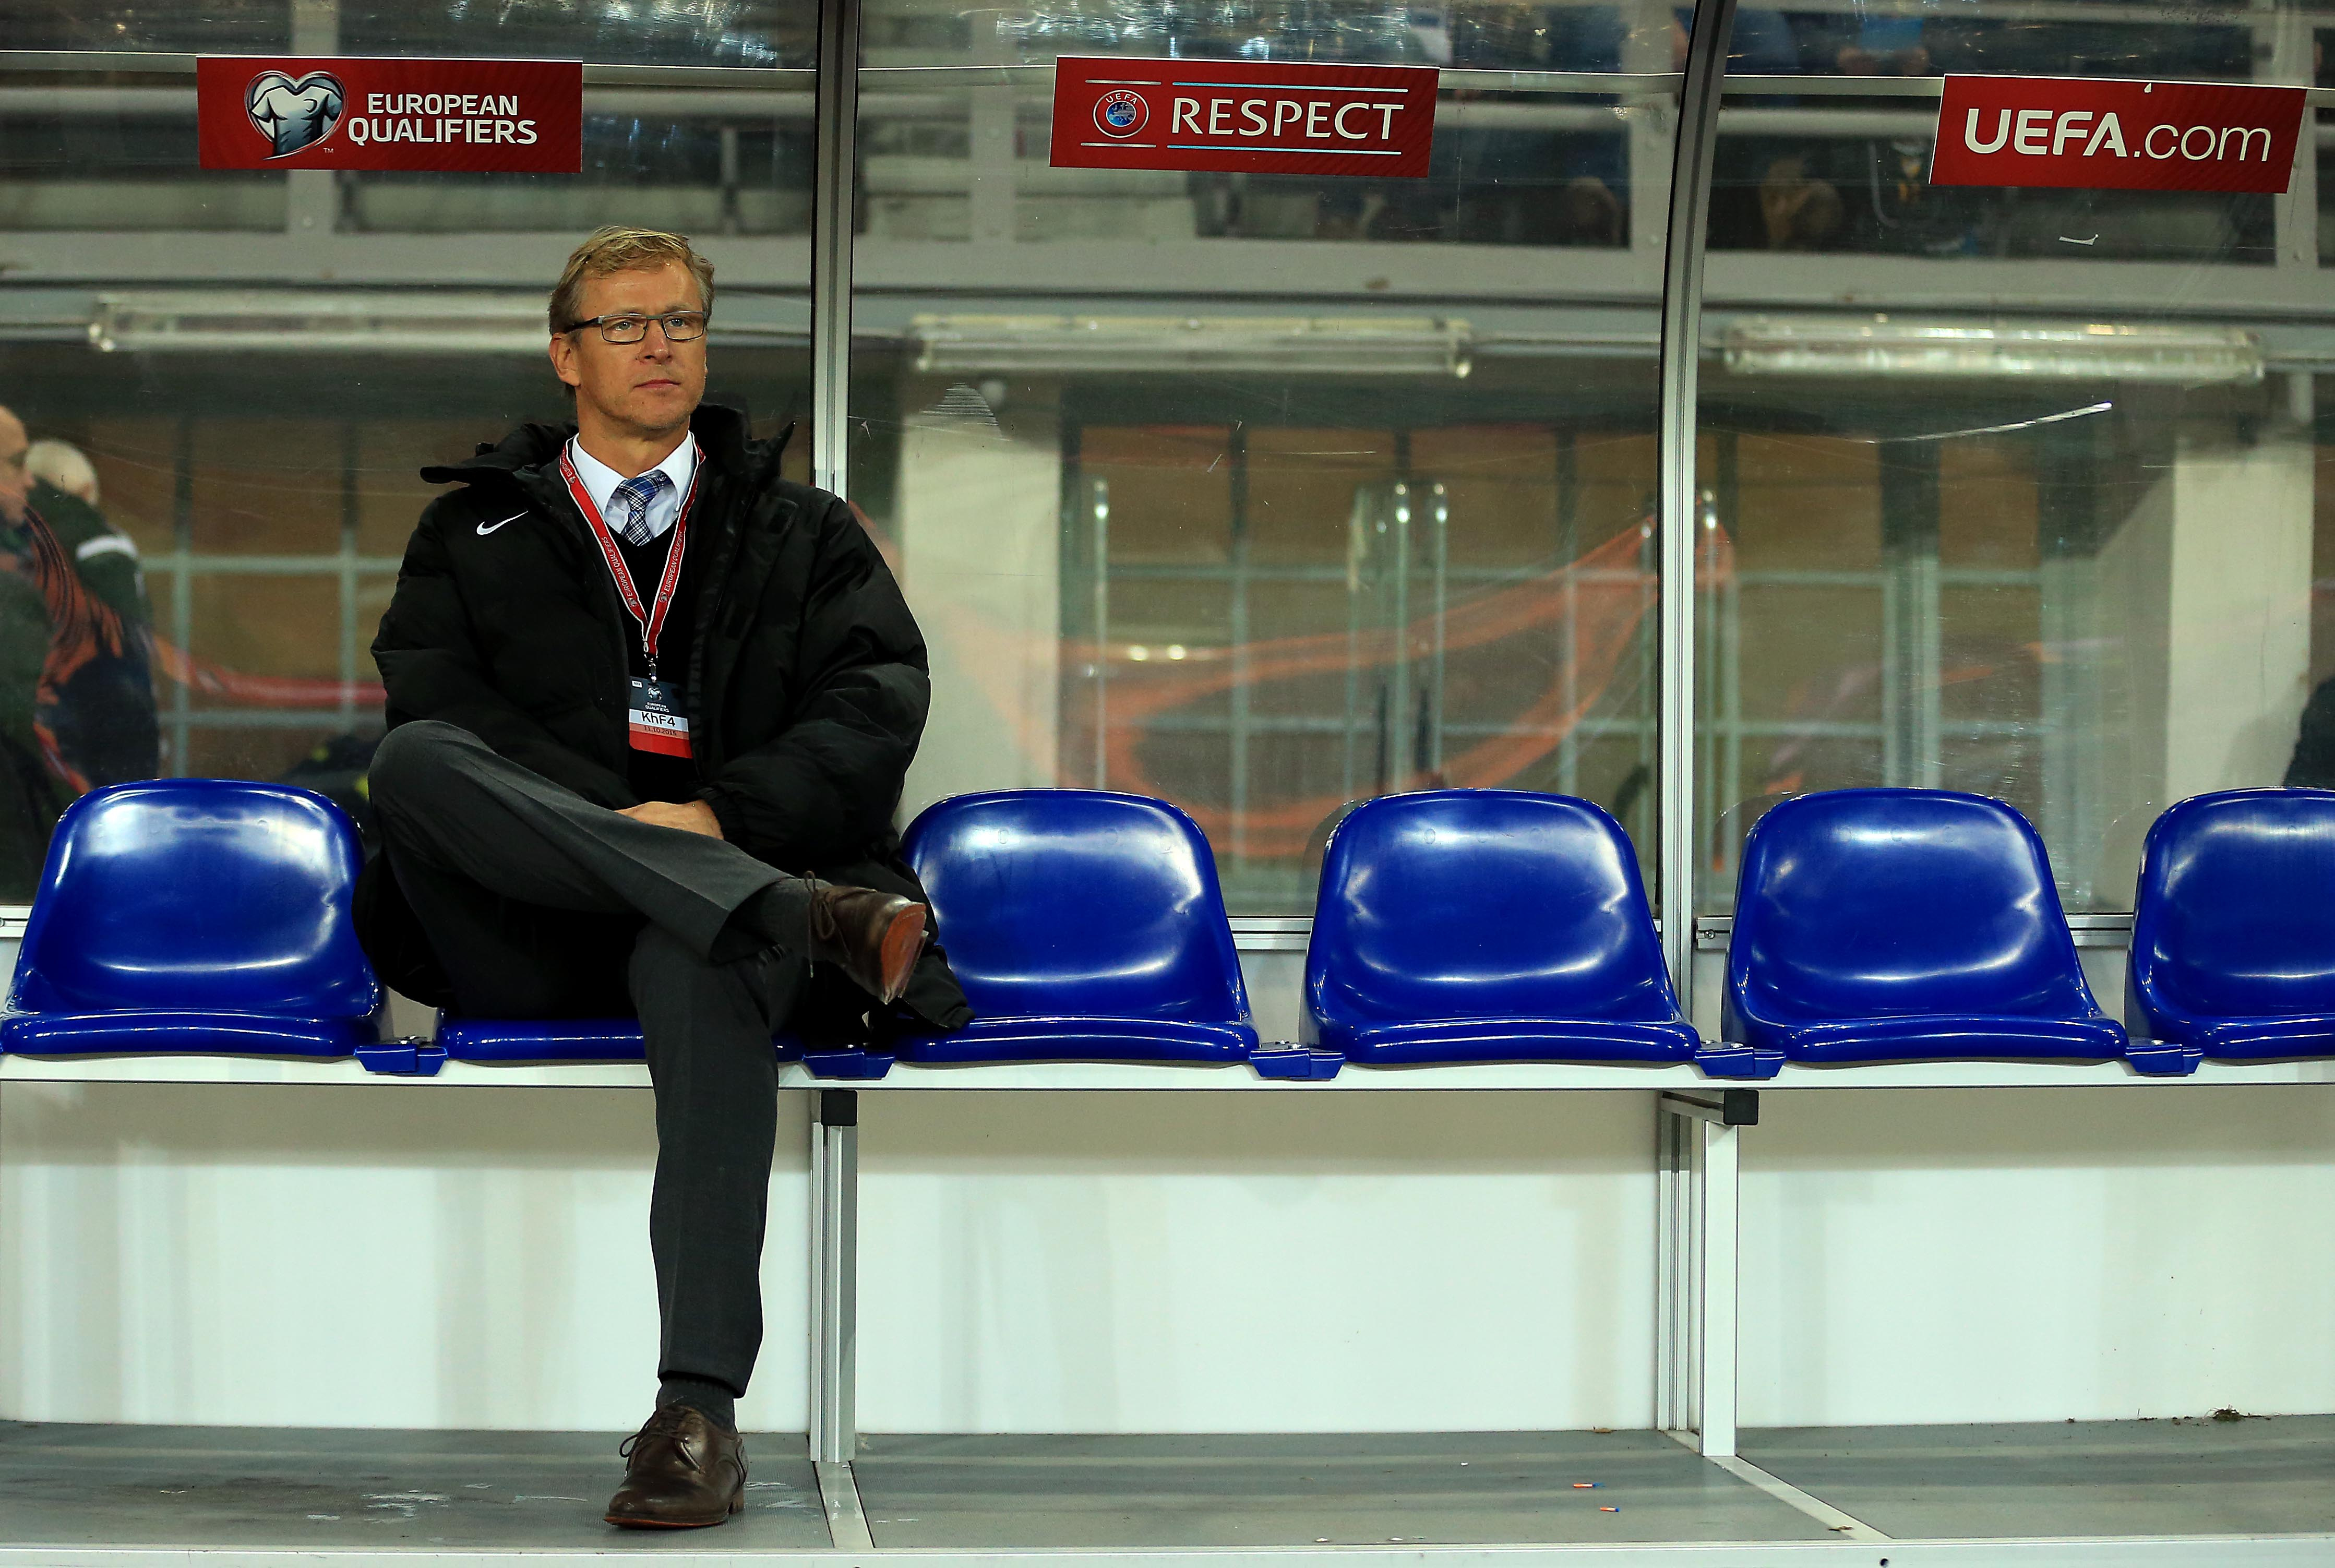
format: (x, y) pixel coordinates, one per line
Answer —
(2077, 133)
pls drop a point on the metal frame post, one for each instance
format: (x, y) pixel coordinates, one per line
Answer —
(1681, 350)
(837, 107)
(311, 197)
(834, 1275)
(835, 1118)
(1099, 516)
(2294, 215)
(1698, 1177)
(1672, 1290)
(1913, 746)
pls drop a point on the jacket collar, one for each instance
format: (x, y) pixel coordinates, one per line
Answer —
(523, 454)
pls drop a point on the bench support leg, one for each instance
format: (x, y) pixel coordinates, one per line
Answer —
(1697, 1181)
(834, 1274)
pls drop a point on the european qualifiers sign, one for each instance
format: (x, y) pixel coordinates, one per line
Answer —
(2077, 133)
(441, 116)
(1243, 117)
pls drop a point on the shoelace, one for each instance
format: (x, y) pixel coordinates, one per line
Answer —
(665, 1422)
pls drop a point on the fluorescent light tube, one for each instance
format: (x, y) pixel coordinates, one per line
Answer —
(1221, 345)
(1890, 346)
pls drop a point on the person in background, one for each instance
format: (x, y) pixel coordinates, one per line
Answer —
(1768, 192)
(1885, 46)
(61, 466)
(76, 679)
(2313, 766)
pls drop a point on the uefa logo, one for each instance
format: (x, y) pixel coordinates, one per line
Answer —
(294, 115)
(1121, 114)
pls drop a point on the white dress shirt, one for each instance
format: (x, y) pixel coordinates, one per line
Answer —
(600, 482)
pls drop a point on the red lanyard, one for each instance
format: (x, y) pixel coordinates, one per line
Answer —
(652, 619)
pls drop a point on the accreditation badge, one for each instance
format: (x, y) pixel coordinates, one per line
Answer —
(657, 722)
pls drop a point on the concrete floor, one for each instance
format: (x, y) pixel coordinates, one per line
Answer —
(344, 1490)
(2188, 1476)
(353, 1494)
(1275, 1491)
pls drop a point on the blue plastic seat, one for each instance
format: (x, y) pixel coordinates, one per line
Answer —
(2233, 927)
(1084, 926)
(1487, 925)
(1904, 925)
(195, 916)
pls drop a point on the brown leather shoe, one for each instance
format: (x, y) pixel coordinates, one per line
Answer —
(683, 1472)
(873, 937)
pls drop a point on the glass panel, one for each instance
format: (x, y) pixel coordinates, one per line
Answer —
(1361, 32)
(214, 27)
(2313, 762)
(1834, 172)
(2000, 38)
(2084, 589)
(754, 33)
(251, 508)
(1227, 489)
(2319, 124)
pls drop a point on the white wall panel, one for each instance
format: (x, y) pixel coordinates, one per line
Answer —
(1936, 1255)
(1119, 1262)
(349, 1257)
(1251, 1263)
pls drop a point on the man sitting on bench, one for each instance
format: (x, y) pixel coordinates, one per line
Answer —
(650, 711)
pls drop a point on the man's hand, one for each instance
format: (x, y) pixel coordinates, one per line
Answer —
(689, 816)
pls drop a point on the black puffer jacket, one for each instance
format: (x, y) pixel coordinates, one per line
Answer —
(806, 682)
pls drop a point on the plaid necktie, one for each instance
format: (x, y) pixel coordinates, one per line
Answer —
(637, 494)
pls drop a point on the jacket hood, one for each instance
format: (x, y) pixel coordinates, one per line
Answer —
(721, 431)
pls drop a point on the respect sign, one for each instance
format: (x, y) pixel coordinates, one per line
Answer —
(445, 116)
(2078, 133)
(1243, 117)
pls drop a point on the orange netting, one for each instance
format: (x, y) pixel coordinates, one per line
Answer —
(1605, 595)
(175, 664)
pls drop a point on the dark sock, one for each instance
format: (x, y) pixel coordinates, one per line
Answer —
(717, 1402)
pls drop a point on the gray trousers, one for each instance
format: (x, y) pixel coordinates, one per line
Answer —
(540, 904)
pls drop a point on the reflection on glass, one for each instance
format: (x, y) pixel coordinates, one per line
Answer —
(945, 161)
(2000, 40)
(1799, 173)
(1511, 165)
(118, 156)
(234, 439)
(76, 691)
(911, 32)
(2320, 128)
(219, 26)
(2084, 585)
(2088, 599)
(692, 163)
(1203, 486)
(1265, 601)
(246, 545)
(751, 33)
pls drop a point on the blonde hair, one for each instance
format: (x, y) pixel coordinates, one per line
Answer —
(61, 466)
(618, 248)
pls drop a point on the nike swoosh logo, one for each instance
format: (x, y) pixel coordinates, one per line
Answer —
(486, 528)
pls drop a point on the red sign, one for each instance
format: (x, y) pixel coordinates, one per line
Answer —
(2073, 132)
(449, 116)
(1244, 118)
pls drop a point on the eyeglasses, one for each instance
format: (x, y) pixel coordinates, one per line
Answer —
(680, 326)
